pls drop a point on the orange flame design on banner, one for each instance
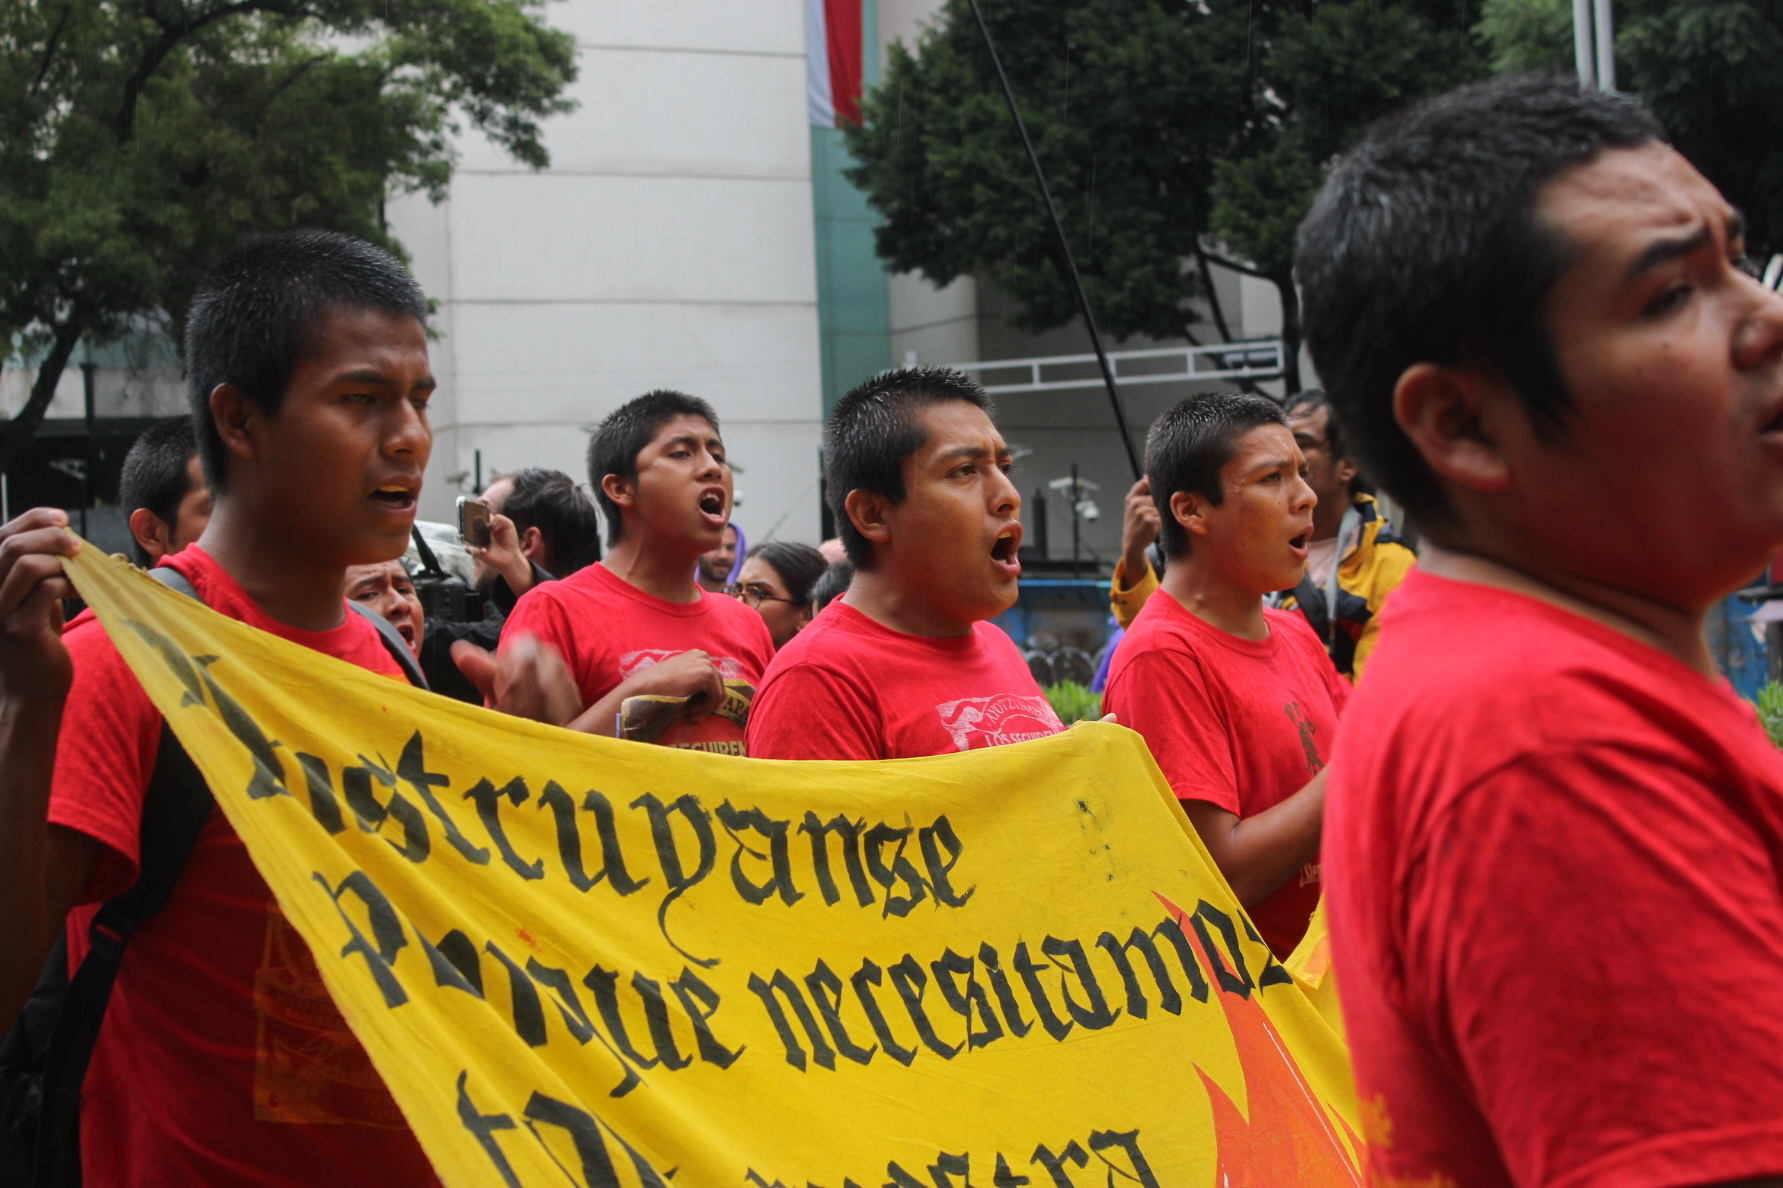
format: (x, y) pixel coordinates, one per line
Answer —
(1288, 1140)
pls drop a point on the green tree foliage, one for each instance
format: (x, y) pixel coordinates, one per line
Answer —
(140, 139)
(1707, 68)
(1172, 131)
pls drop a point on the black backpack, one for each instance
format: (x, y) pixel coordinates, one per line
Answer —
(44, 1057)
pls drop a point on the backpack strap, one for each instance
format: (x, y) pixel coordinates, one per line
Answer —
(395, 644)
(176, 805)
(392, 640)
(175, 808)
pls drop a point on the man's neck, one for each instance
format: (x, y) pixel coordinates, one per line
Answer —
(1214, 600)
(892, 605)
(1674, 631)
(1327, 517)
(660, 568)
(287, 584)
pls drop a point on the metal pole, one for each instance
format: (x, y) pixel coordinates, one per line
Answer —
(1076, 498)
(86, 483)
(1083, 301)
(1584, 56)
(1603, 32)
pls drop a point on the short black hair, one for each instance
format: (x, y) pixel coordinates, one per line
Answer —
(832, 584)
(550, 501)
(1310, 400)
(873, 429)
(155, 475)
(1191, 443)
(799, 566)
(254, 314)
(615, 446)
(1424, 246)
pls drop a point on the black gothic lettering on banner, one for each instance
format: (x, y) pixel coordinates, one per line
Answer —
(454, 962)
(849, 834)
(1274, 973)
(569, 840)
(826, 992)
(668, 856)
(871, 974)
(900, 869)
(488, 798)
(386, 932)
(1236, 980)
(952, 1170)
(779, 860)
(587, 1138)
(356, 786)
(411, 769)
(1138, 940)
(965, 1000)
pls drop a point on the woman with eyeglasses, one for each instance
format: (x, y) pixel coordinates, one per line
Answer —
(776, 581)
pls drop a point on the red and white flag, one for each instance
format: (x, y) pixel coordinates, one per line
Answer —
(833, 61)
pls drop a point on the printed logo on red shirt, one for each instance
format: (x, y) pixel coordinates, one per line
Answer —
(1314, 764)
(729, 668)
(994, 721)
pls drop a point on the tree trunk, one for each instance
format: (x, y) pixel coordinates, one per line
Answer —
(1284, 285)
(17, 433)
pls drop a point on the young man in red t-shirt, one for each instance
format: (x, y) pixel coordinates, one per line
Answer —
(222, 1059)
(1239, 703)
(1553, 838)
(907, 662)
(637, 623)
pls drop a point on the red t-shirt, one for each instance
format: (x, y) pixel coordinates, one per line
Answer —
(1243, 724)
(223, 1060)
(1555, 902)
(606, 629)
(847, 688)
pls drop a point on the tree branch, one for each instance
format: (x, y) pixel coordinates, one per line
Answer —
(1213, 296)
(1234, 265)
(49, 49)
(18, 432)
(285, 83)
(172, 34)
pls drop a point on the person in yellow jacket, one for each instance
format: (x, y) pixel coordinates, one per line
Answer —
(1350, 535)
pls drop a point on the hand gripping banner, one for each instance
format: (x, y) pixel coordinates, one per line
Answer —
(576, 960)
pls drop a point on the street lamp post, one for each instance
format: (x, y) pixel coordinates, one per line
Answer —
(1594, 44)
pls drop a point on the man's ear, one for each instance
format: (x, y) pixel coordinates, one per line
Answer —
(620, 489)
(867, 511)
(237, 418)
(532, 545)
(151, 532)
(1345, 470)
(1189, 508)
(1445, 411)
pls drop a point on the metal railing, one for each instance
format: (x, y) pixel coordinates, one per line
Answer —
(1256, 359)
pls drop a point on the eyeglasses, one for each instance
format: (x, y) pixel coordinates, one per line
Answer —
(753, 596)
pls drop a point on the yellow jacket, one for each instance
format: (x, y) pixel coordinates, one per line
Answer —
(1370, 569)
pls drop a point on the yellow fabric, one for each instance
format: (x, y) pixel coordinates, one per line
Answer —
(579, 960)
(1310, 963)
(1370, 571)
(1374, 570)
(1126, 601)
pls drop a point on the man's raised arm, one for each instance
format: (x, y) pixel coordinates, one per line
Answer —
(41, 869)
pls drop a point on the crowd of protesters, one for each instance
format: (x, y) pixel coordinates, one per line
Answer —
(1548, 835)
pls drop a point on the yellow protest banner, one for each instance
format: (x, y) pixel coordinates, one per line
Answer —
(602, 963)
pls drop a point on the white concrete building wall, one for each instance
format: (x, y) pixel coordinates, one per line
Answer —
(669, 245)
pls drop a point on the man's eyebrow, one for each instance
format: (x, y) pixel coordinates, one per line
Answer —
(965, 451)
(1275, 463)
(379, 380)
(1661, 251)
